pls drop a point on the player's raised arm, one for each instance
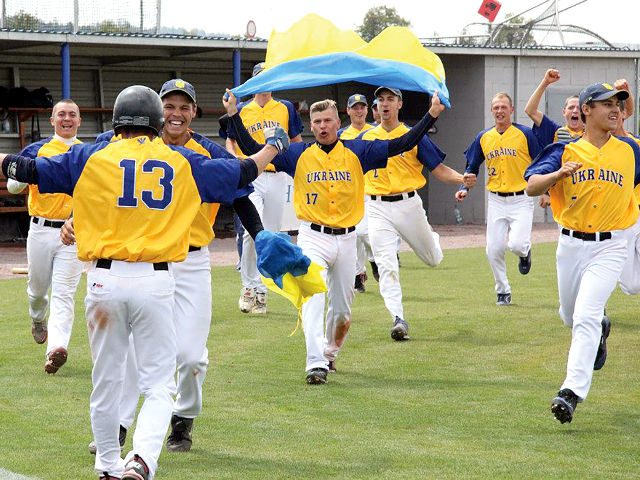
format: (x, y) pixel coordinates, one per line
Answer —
(532, 108)
(244, 140)
(410, 139)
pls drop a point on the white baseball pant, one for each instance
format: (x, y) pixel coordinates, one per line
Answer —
(363, 245)
(405, 218)
(509, 222)
(587, 275)
(630, 277)
(52, 264)
(269, 197)
(130, 298)
(336, 253)
(192, 323)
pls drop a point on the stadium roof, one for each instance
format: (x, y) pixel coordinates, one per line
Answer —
(626, 51)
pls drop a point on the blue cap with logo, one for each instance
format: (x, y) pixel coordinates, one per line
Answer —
(258, 68)
(355, 99)
(395, 91)
(178, 85)
(599, 92)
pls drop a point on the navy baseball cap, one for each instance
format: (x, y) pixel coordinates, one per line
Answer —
(258, 68)
(395, 91)
(374, 104)
(178, 85)
(356, 98)
(599, 92)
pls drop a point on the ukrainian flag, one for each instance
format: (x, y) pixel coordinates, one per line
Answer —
(286, 270)
(314, 52)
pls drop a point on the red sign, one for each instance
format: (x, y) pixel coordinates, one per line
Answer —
(489, 9)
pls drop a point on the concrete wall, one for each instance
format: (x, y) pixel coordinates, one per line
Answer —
(457, 128)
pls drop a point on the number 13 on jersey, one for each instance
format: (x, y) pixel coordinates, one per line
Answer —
(129, 177)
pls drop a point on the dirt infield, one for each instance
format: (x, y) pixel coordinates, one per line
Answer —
(223, 251)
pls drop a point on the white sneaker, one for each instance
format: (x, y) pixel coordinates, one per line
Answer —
(260, 306)
(247, 300)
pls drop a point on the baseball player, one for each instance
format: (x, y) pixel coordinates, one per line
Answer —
(329, 200)
(269, 193)
(375, 113)
(134, 203)
(395, 209)
(357, 109)
(630, 277)
(591, 181)
(508, 149)
(50, 263)
(192, 276)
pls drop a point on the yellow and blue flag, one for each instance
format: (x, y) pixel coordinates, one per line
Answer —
(314, 52)
(286, 270)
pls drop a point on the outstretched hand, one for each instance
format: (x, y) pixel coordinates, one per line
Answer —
(436, 107)
(230, 102)
(277, 137)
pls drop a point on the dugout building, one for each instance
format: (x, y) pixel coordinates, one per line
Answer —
(94, 67)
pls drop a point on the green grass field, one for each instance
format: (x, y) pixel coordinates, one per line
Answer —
(467, 397)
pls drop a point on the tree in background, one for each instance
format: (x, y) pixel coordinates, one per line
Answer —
(23, 21)
(379, 18)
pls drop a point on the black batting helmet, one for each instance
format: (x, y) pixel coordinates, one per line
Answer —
(138, 106)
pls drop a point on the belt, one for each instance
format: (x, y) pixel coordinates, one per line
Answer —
(48, 223)
(194, 249)
(106, 264)
(393, 198)
(509, 194)
(331, 231)
(587, 237)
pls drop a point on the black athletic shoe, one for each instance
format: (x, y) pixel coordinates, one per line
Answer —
(361, 278)
(601, 356)
(564, 405)
(317, 376)
(179, 439)
(332, 366)
(400, 330)
(525, 264)
(374, 270)
(504, 299)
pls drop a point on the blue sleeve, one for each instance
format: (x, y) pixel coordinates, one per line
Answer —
(545, 132)
(288, 160)
(429, 154)
(216, 178)
(341, 131)
(533, 143)
(60, 174)
(636, 153)
(295, 126)
(548, 161)
(31, 151)
(371, 153)
(105, 136)
(229, 130)
(216, 151)
(474, 154)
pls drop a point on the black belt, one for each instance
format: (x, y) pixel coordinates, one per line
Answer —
(509, 194)
(331, 231)
(49, 223)
(587, 237)
(194, 249)
(392, 198)
(106, 264)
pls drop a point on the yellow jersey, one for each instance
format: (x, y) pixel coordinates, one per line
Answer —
(507, 155)
(135, 199)
(51, 205)
(403, 172)
(328, 181)
(599, 197)
(351, 132)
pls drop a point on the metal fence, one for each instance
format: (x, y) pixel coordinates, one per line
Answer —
(82, 16)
